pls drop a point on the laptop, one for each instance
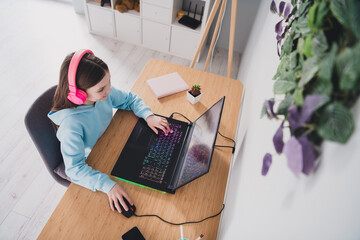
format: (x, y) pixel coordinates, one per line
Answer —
(166, 163)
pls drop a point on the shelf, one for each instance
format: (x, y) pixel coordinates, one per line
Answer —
(156, 27)
(93, 3)
(129, 12)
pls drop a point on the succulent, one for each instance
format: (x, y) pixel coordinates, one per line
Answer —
(195, 90)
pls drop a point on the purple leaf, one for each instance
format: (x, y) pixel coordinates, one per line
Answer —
(278, 27)
(294, 117)
(309, 155)
(311, 103)
(269, 109)
(267, 160)
(278, 139)
(281, 7)
(273, 8)
(287, 10)
(294, 155)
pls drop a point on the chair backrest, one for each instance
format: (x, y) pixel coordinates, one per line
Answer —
(43, 134)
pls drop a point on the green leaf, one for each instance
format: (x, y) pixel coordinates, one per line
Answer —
(292, 60)
(322, 13)
(336, 123)
(321, 86)
(287, 46)
(312, 15)
(347, 66)
(303, 6)
(327, 64)
(300, 47)
(308, 46)
(309, 70)
(347, 12)
(281, 67)
(301, 26)
(277, 75)
(288, 76)
(284, 105)
(298, 96)
(263, 110)
(319, 44)
(283, 86)
(288, 62)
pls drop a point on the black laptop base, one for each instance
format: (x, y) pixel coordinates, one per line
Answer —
(143, 160)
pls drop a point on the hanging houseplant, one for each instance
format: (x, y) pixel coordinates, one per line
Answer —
(317, 80)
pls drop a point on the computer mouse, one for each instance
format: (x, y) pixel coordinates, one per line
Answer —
(131, 208)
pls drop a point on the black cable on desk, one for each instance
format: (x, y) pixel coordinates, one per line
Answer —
(183, 223)
(233, 147)
(171, 116)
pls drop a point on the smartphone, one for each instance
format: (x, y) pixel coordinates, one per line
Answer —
(133, 234)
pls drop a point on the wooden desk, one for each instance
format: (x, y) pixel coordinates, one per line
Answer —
(83, 214)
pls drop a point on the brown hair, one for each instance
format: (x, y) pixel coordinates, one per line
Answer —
(91, 70)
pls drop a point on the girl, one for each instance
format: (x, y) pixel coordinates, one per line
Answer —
(82, 110)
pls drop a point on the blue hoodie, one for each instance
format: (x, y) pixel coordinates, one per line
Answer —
(81, 127)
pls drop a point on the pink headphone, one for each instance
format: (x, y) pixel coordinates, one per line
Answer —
(75, 95)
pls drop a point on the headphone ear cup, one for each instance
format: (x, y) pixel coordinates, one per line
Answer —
(81, 95)
(78, 98)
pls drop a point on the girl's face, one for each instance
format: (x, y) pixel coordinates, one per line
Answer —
(100, 91)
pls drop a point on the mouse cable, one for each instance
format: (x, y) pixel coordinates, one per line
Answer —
(233, 147)
(183, 223)
(171, 116)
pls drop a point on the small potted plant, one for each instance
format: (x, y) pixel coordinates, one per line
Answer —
(194, 94)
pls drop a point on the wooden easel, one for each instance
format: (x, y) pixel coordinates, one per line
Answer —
(206, 31)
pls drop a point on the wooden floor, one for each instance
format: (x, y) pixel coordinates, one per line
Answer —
(35, 36)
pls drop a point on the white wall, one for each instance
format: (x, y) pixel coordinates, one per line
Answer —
(325, 205)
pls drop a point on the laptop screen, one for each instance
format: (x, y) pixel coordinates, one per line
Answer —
(198, 156)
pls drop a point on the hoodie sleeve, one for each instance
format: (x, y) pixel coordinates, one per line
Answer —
(129, 101)
(73, 152)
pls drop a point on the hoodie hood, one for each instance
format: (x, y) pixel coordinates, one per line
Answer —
(58, 116)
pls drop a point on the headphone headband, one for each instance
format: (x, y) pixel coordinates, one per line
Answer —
(75, 95)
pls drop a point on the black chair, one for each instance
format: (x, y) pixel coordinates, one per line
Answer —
(43, 134)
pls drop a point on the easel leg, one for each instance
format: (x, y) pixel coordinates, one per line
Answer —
(221, 13)
(207, 27)
(232, 35)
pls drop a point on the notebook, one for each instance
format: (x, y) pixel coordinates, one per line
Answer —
(167, 163)
(167, 84)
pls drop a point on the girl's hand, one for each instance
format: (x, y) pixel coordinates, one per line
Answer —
(116, 195)
(158, 122)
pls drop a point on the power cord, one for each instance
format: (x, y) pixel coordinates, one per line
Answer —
(171, 116)
(183, 223)
(233, 147)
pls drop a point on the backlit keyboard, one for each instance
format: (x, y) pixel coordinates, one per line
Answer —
(158, 159)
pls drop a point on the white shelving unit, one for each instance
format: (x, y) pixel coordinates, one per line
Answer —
(155, 26)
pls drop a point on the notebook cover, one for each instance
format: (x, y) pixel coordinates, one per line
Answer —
(167, 84)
